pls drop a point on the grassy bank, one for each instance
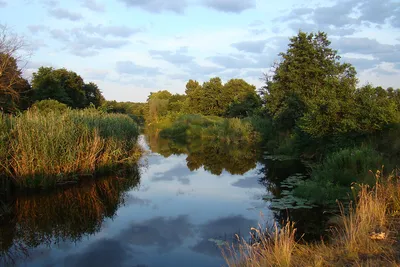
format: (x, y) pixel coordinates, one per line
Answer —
(41, 149)
(363, 236)
(189, 127)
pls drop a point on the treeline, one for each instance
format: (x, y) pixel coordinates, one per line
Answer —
(65, 86)
(236, 98)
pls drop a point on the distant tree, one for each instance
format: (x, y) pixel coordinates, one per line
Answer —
(213, 101)
(240, 98)
(245, 107)
(310, 88)
(164, 94)
(194, 95)
(176, 103)
(158, 104)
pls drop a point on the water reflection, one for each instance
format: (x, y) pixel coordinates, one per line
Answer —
(65, 215)
(190, 196)
(214, 157)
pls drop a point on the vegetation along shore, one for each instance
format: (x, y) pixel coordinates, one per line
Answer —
(58, 129)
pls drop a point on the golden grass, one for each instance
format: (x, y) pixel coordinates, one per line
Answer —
(364, 235)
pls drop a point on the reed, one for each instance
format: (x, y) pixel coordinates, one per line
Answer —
(42, 149)
(363, 235)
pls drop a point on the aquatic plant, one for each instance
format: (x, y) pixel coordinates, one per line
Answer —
(44, 149)
(331, 179)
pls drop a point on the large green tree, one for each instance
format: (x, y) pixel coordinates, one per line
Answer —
(66, 87)
(311, 88)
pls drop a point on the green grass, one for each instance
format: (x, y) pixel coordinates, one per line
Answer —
(331, 179)
(42, 149)
(188, 127)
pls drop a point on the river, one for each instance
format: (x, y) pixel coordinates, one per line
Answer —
(178, 204)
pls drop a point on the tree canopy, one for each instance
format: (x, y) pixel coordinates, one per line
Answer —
(66, 87)
(313, 90)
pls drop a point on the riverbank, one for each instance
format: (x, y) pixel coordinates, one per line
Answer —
(42, 149)
(363, 235)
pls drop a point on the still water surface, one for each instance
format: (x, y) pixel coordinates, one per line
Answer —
(169, 213)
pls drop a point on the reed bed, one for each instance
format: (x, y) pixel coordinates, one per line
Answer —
(42, 149)
(363, 235)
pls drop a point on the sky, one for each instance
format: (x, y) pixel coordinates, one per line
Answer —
(130, 48)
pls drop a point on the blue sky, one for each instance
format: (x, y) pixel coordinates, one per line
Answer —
(133, 47)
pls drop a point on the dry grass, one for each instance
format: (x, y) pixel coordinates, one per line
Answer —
(364, 235)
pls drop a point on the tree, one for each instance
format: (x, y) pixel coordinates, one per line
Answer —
(245, 107)
(310, 88)
(93, 94)
(12, 84)
(158, 104)
(375, 108)
(66, 87)
(194, 96)
(240, 98)
(212, 100)
(47, 85)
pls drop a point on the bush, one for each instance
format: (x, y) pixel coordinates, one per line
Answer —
(50, 105)
(188, 127)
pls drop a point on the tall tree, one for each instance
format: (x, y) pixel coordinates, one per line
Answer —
(194, 93)
(212, 100)
(47, 85)
(12, 84)
(240, 98)
(66, 87)
(311, 88)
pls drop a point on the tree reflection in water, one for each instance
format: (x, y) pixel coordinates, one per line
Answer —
(65, 215)
(213, 156)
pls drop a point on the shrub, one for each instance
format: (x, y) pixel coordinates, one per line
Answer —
(50, 105)
(188, 127)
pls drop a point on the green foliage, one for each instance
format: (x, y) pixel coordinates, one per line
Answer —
(236, 98)
(66, 87)
(47, 106)
(44, 149)
(375, 109)
(349, 165)
(189, 127)
(311, 85)
(332, 178)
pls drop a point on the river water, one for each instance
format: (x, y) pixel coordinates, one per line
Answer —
(173, 210)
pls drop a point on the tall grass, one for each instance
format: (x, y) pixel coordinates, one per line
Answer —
(189, 127)
(364, 235)
(43, 149)
(331, 179)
